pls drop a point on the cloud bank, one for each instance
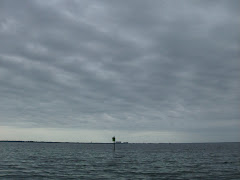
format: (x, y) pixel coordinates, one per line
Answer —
(121, 67)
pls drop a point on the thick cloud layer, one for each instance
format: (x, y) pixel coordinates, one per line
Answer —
(124, 66)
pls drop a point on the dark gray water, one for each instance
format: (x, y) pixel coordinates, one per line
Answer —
(130, 161)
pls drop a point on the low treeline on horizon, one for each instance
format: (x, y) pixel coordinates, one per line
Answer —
(19, 141)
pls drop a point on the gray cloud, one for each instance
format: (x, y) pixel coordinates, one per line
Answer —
(145, 66)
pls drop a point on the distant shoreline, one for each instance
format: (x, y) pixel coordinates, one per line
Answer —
(108, 143)
(56, 142)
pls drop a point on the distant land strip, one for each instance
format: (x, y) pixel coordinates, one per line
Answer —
(107, 143)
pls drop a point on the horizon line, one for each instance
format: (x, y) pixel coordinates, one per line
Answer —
(23, 141)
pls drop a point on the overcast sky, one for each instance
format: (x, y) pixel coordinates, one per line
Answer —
(144, 71)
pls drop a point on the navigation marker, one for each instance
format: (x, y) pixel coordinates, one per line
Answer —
(113, 139)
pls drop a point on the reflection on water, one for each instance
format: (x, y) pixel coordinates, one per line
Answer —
(129, 161)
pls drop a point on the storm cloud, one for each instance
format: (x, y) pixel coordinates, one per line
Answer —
(131, 68)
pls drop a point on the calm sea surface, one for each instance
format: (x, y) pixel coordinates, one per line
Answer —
(129, 161)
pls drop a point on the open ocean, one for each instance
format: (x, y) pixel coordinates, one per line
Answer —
(129, 161)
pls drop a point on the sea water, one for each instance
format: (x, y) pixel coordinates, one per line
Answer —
(129, 161)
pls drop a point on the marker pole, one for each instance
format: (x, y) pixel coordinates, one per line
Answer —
(113, 139)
